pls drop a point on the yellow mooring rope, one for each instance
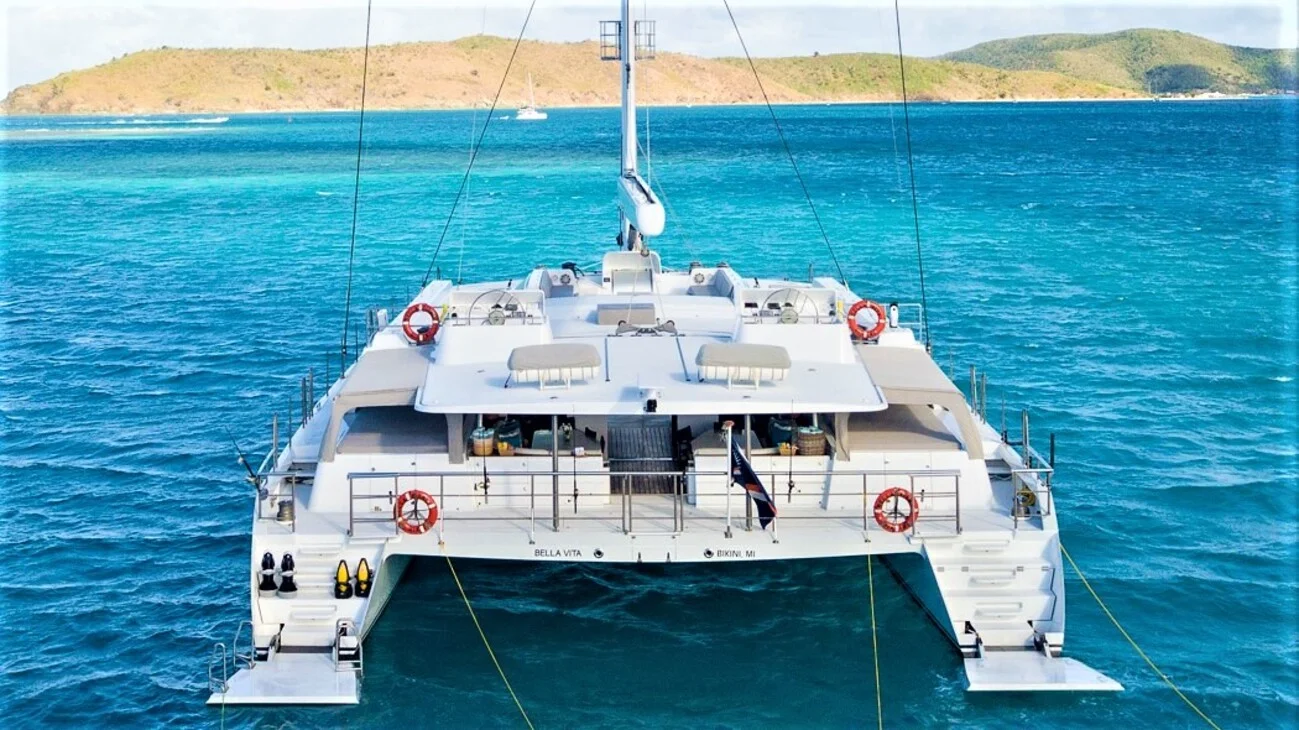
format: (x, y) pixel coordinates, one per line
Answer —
(875, 645)
(488, 644)
(1133, 642)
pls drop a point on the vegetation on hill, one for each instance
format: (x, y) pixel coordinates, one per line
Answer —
(466, 72)
(854, 76)
(1154, 61)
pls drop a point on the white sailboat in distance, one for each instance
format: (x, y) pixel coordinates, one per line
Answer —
(530, 113)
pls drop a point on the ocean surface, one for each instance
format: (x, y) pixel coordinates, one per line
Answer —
(1126, 271)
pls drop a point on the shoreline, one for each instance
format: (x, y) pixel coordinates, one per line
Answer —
(670, 105)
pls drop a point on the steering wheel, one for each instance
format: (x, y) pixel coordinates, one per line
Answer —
(792, 304)
(499, 305)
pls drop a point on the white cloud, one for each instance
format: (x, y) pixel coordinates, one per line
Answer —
(59, 35)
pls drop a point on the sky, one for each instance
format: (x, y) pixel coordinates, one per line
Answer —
(45, 37)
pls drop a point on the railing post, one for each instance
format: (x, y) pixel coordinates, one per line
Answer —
(983, 397)
(726, 480)
(351, 501)
(679, 514)
(911, 483)
(958, 504)
(974, 389)
(532, 509)
(554, 468)
(1014, 498)
(865, 502)
(442, 500)
(1028, 450)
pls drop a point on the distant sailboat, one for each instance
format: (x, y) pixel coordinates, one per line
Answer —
(530, 113)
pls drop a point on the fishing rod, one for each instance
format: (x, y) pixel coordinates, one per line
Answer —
(253, 479)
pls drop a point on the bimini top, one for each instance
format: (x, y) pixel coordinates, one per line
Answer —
(910, 377)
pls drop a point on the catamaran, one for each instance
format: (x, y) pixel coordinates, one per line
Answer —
(641, 414)
(530, 113)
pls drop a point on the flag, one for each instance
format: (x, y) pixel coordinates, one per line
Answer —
(743, 475)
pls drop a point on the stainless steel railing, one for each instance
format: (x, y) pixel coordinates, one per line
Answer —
(938, 505)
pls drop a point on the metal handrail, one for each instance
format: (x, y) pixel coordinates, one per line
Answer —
(223, 685)
(247, 659)
(627, 496)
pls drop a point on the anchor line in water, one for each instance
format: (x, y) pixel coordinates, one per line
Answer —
(473, 156)
(487, 644)
(911, 171)
(356, 183)
(1140, 652)
(785, 143)
(875, 645)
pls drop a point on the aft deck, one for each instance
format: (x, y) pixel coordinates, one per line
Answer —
(590, 515)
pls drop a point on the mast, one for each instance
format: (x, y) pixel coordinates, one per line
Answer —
(627, 43)
(640, 212)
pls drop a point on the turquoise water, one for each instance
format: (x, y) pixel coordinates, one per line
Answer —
(1126, 271)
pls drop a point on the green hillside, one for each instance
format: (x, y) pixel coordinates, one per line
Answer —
(1155, 61)
(874, 76)
(467, 72)
(462, 73)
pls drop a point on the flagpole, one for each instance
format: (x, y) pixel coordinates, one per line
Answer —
(730, 473)
(748, 454)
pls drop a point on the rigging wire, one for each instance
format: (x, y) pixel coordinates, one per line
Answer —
(473, 157)
(788, 152)
(911, 170)
(356, 184)
(464, 217)
(660, 190)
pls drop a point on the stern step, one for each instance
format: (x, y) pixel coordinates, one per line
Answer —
(291, 679)
(1033, 671)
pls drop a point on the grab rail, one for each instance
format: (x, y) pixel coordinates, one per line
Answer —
(218, 657)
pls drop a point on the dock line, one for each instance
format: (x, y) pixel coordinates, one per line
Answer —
(487, 644)
(1133, 642)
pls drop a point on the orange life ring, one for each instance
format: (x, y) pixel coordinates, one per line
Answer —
(420, 337)
(893, 520)
(410, 521)
(881, 319)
